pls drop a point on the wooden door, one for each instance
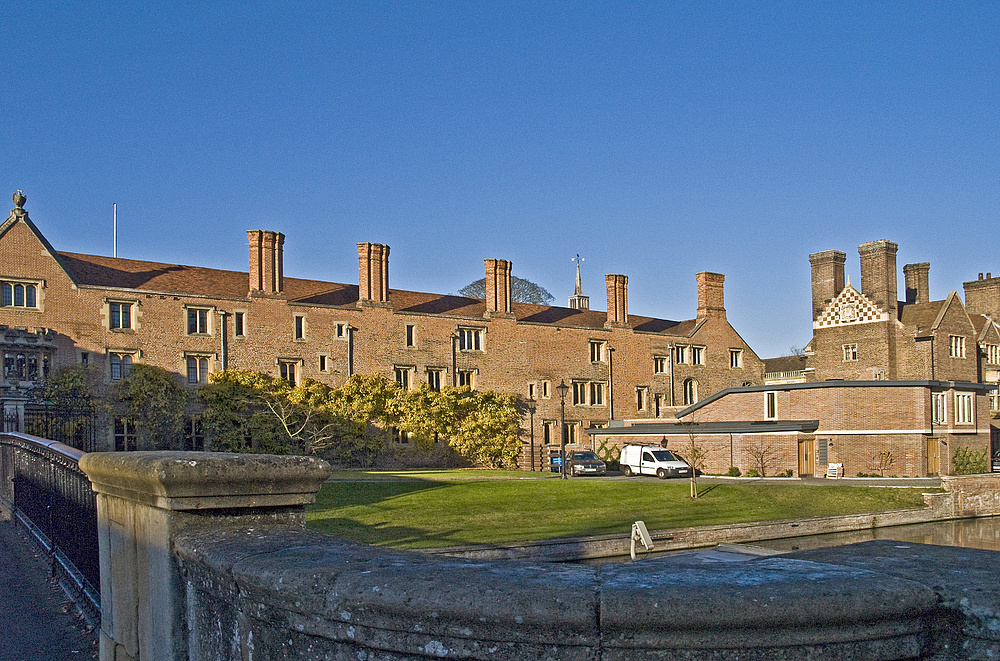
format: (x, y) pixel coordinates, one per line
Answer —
(933, 456)
(807, 462)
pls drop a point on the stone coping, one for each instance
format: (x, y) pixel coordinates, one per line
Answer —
(343, 595)
(200, 480)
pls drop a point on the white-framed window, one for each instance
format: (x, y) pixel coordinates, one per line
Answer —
(239, 324)
(992, 352)
(199, 321)
(697, 355)
(597, 351)
(939, 410)
(956, 346)
(411, 335)
(690, 392)
(770, 405)
(198, 367)
(470, 339)
(735, 358)
(963, 409)
(120, 315)
(120, 364)
(659, 364)
(641, 398)
(22, 294)
(288, 369)
(467, 378)
(300, 327)
(680, 354)
(850, 352)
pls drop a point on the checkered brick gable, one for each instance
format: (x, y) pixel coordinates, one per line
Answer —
(850, 307)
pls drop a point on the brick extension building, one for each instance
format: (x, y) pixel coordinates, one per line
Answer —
(109, 313)
(915, 378)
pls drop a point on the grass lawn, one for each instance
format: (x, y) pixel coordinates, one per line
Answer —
(452, 508)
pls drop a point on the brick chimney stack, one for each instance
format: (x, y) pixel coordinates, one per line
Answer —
(498, 291)
(878, 274)
(266, 265)
(617, 300)
(917, 282)
(373, 273)
(827, 278)
(711, 294)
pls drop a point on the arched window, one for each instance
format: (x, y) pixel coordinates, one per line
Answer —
(690, 391)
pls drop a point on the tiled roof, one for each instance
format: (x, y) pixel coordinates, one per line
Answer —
(115, 272)
(784, 364)
(920, 315)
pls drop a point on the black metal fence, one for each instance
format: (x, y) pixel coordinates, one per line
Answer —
(75, 428)
(51, 496)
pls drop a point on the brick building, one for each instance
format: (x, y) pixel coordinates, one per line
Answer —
(110, 313)
(916, 378)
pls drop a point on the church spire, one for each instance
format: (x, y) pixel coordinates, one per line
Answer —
(578, 301)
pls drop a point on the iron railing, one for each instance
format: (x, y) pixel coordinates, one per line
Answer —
(41, 481)
(75, 428)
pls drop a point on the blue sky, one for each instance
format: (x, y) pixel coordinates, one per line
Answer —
(655, 139)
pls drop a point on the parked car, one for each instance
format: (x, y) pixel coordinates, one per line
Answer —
(651, 460)
(585, 462)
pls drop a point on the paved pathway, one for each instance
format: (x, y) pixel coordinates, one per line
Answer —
(37, 620)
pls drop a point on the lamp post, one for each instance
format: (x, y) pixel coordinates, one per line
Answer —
(562, 388)
(532, 404)
(454, 360)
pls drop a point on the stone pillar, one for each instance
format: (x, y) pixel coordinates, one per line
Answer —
(144, 499)
(13, 411)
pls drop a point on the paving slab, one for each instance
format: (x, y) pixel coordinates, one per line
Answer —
(37, 619)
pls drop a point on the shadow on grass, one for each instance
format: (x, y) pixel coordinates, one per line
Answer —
(707, 490)
(350, 494)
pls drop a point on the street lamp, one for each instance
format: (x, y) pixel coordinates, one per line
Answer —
(454, 360)
(532, 405)
(562, 388)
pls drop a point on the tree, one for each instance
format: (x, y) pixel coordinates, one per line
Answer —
(151, 396)
(521, 291)
(695, 456)
(762, 455)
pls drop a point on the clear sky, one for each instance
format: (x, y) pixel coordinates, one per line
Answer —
(655, 139)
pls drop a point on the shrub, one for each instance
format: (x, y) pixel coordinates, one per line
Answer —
(969, 462)
(752, 472)
(786, 473)
(734, 472)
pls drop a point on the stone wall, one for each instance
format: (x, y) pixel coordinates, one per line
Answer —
(207, 559)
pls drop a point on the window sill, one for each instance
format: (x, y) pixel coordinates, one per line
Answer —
(126, 331)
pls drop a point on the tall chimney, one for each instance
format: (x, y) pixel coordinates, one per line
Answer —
(266, 262)
(498, 292)
(827, 278)
(711, 294)
(617, 299)
(373, 272)
(917, 282)
(878, 274)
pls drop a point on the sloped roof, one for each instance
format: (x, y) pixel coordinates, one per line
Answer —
(785, 364)
(116, 272)
(920, 315)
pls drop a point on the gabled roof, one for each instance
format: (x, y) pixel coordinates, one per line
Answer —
(785, 364)
(21, 216)
(120, 273)
(850, 307)
(926, 317)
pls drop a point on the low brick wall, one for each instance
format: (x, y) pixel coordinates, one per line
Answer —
(202, 569)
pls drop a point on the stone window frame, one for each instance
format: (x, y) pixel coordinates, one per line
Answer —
(133, 313)
(13, 283)
(690, 391)
(771, 405)
(545, 389)
(641, 398)
(202, 365)
(991, 353)
(209, 328)
(467, 375)
(956, 346)
(598, 351)
(403, 375)
(659, 364)
(939, 408)
(290, 369)
(434, 379)
(410, 336)
(240, 324)
(697, 354)
(735, 358)
(322, 363)
(472, 335)
(299, 327)
(341, 330)
(680, 354)
(126, 358)
(850, 352)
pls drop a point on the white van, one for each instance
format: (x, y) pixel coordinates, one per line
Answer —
(652, 460)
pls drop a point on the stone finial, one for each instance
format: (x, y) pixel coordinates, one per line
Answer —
(19, 199)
